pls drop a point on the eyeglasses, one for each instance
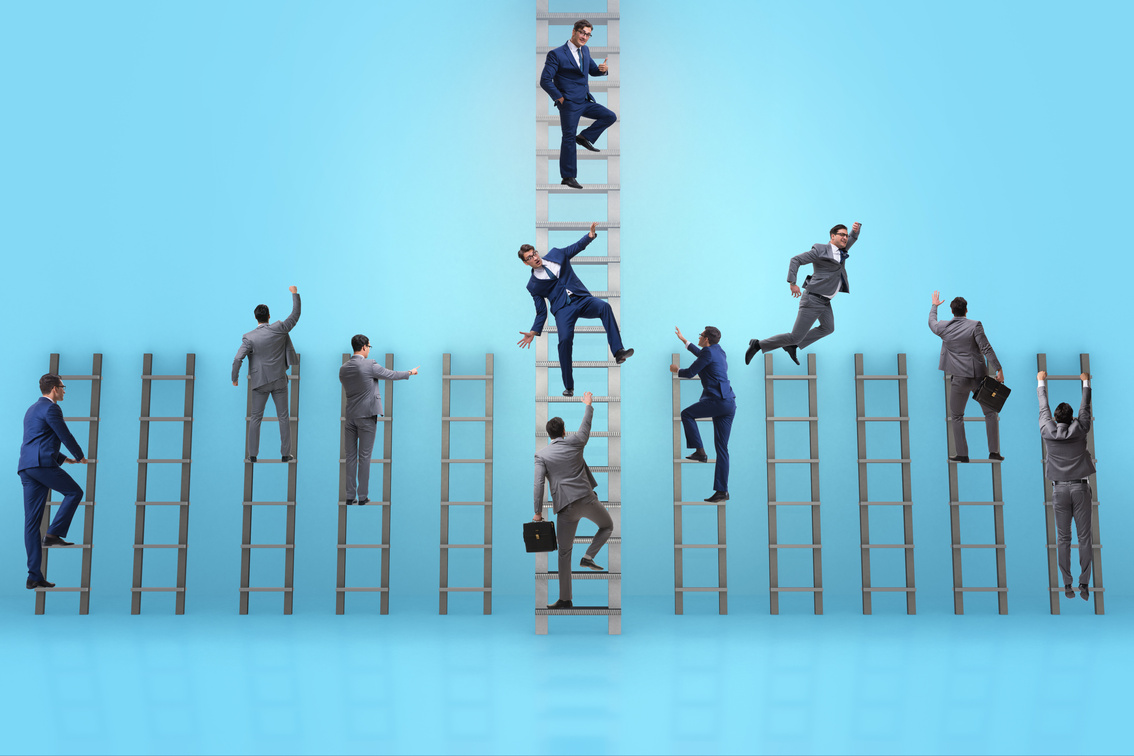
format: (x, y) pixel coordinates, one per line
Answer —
(583, 33)
(841, 233)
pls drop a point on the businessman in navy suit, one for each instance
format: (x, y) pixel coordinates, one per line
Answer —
(718, 401)
(565, 76)
(44, 433)
(553, 279)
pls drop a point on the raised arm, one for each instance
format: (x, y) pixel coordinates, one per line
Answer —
(597, 70)
(540, 478)
(852, 236)
(580, 245)
(698, 364)
(1084, 418)
(547, 78)
(584, 432)
(56, 423)
(1047, 425)
(290, 321)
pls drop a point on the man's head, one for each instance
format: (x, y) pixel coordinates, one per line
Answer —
(51, 386)
(555, 428)
(529, 256)
(711, 335)
(262, 314)
(581, 33)
(839, 236)
(1064, 414)
(959, 306)
(360, 344)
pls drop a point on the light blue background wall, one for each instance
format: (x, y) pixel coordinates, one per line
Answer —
(167, 167)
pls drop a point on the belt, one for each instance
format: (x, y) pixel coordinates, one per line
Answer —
(1068, 482)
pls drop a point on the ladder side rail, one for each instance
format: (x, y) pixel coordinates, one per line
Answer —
(443, 595)
(340, 555)
(140, 496)
(907, 484)
(186, 479)
(387, 487)
(863, 487)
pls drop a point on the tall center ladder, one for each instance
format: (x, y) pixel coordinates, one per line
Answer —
(774, 545)
(679, 544)
(547, 118)
(288, 546)
(182, 502)
(386, 459)
(91, 450)
(864, 502)
(1052, 557)
(485, 588)
(997, 504)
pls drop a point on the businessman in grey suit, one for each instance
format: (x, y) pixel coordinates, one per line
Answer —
(270, 353)
(361, 378)
(964, 348)
(573, 496)
(829, 261)
(1067, 466)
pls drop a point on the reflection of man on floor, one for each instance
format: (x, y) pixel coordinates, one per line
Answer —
(1068, 465)
(573, 497)
(717, 402)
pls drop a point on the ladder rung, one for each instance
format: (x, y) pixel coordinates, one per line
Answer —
(793, 503)
(701, 503)
(976, 503)
(902, 418)
(683, 461)
(591, 364)
(72, 546)
(362, 590)
(364, 545)
(267, 590)
(593, 611)
(887, 545)
(795, 546)
(163, 461)
(1077, 588)
(587, 189)
(164, 419)
(599, 19)
(466, 461)
(596, 53)
(980, 590)
(978, 545)
(466, 503)
(580, 575)
(81, 377)
(274, 419)
(888, 590)
(1059, 377)
(698, 545)
(367, 504)
(575, 225)
(613, 540)
(81, 503)
(583, 154)
(683, 589)
(382, 419)
(80, 419)
(469, 545)
(884, 461)
(269, 503)
(795, 590)
(886, 503)
(159, 546)
(1075, 545)
(789, 377)
(880, 377)
(161, 503)
(58, 589)
(167, 377)
(575, 399)
(792, 461)
(976, 461)
(158, 590)
(267, 546)
(594, 434)
(466, 377)
(790, 419)
(576, 329)
(465, 590)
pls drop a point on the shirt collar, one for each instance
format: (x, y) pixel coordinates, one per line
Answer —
(572, 46)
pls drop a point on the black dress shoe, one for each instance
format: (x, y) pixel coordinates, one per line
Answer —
(753, 348)
(568, 392)
(1068, 591)
(958, 458)
(571, 182)
(54, 540)
(997, 457)
(561, 604)
(589, 564)
(251, 459)
(33, 584)
(586, 143)
(718, 496)
(791, 350)
(287, 458)
(362, 502)
(1084, 593)
(698, 456)
(622, 355)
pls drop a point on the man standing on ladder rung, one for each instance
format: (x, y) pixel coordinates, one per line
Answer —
(554, 279)
(1067, 466)
(718, 401)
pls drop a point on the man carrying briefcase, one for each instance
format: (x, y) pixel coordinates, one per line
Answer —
(573, 497)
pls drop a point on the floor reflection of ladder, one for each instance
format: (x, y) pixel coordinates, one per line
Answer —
(144, 425)
(864, 502)
(679, 544)
(91, 450)
(485, 504)
(812, 460)
(997, 504)
(288, 546)
(383, 457)
(1052, 559)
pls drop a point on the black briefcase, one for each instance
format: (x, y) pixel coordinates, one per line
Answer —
(540, 536)
(991, 393)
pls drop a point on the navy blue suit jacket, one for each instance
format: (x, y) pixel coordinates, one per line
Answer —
(555, 289)
(562, 76)
(713, 369)
(44, 433)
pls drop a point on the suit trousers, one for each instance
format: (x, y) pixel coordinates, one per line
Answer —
(566, 522)
(278, 391)
(1073, 500)
(722, 412)
(360, 434)
(37, 482)
(569, 115)
(812, 307)
(961, 389)
(584, 306)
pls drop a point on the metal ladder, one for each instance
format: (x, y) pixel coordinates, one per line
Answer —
(1052, 558)
(386, 460)
(288, 546)
(997, 504)
(545, 118)
(84, 587)
(679, 544)
(182, 503)
(485, 588)
(774, 546)
(864, 502)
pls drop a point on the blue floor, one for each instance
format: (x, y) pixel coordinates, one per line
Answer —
(413, 682)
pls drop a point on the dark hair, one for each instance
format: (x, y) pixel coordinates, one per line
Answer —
(581, 24)
(358, 341)
(1064, 414)
(959, 306)
(49, 381)
(555, 428)
(262, 314)
(837, 229)
(524, 249)
(713, 334)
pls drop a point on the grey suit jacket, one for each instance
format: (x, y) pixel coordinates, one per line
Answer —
(268, 349)
(1067, 455)
(561, 462)
(963, 347)
(361, 378)
(830, 277)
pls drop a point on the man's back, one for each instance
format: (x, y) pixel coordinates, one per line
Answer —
(268, 348)
(44, 433)
(963, 346)
(360, 377)
(562, 463)
(1066, 443)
